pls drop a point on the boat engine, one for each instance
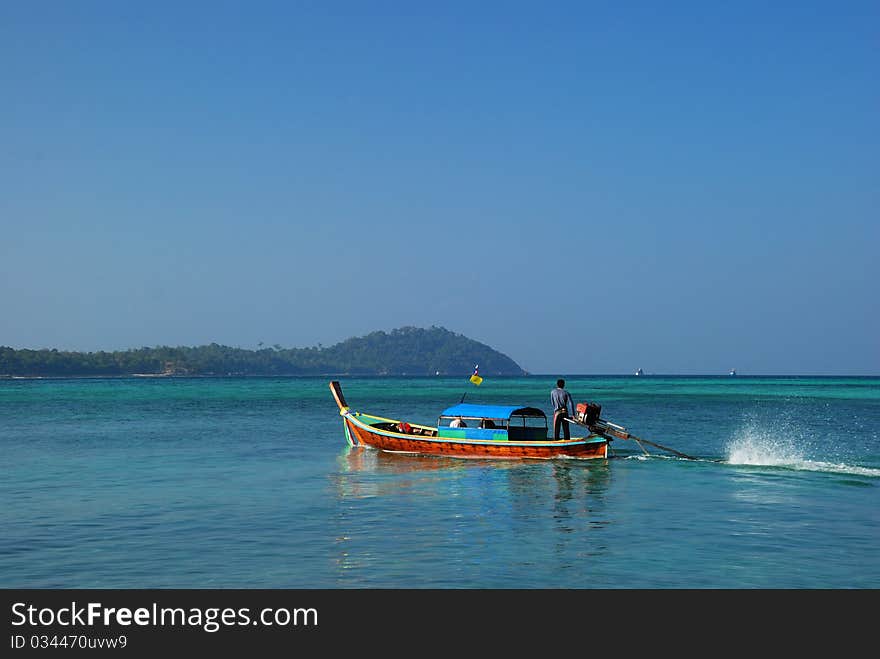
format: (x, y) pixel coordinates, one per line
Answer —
(587, 413)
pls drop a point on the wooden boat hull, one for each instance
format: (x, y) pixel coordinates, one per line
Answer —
(361, 434)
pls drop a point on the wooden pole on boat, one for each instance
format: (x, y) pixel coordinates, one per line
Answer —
(336, 388)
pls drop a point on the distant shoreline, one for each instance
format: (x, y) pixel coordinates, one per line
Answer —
(402, 351)
(550, 376)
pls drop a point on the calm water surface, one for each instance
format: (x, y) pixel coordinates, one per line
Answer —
(249, 483)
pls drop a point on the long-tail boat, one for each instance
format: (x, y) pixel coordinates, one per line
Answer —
(487, 431)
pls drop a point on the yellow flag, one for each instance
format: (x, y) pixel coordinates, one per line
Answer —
(475, 378)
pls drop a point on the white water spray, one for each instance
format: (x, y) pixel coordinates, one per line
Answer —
(783, 444)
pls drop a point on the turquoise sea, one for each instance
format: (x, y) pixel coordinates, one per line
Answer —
(249, 483)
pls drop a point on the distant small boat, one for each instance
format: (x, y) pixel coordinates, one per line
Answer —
(732, 371)
(639, 372)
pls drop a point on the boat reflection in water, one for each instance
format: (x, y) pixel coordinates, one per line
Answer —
(390, 508)
(367, 472)
(362, 458)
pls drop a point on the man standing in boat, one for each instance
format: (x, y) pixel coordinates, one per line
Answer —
(562, 404)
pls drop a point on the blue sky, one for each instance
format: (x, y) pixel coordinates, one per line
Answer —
(589, 187)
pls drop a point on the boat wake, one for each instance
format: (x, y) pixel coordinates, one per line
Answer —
(786, 449)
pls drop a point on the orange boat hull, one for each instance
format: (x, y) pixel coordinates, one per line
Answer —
(582, 448)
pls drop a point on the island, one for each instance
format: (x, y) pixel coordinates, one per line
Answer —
(409, 351)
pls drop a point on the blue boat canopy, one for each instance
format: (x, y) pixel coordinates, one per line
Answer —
(473, 411)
